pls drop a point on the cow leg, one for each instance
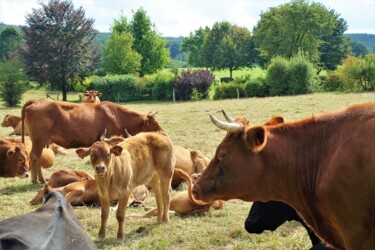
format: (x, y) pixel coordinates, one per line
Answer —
(120, 214)
(36, 170)
(165, 187)
(155, 185)
(105, 204)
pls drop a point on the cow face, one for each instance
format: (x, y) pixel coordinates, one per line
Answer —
(100, 156)
(236, 168)
(92, 96)
(15, 162)
(150, 124)
(6, 122)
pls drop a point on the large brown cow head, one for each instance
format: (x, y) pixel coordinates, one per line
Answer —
(100, 155)
(237, 168)
(13, 162)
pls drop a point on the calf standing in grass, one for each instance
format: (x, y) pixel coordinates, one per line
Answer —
(144, 158)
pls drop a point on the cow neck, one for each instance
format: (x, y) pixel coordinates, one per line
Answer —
(296, 151)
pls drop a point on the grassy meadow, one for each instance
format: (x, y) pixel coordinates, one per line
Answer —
(188, 124)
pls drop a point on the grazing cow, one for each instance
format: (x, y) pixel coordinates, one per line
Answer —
(184, 203)
(323, 166)
(91, 96)
(191, 161)
(52, 226)
(272, 214)
(73, 125)
(14, 122)
(140, 159)
(13, 160)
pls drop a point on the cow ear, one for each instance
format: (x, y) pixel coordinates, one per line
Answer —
(83, 152)
(11, 152)
(99, 94)
(275, 120)
(85, 94)
(116, 150)
(255, 138)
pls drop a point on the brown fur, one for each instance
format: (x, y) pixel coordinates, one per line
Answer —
(190, 161)
(72, 125)
(141, 159)
(323, 166)
(13, 159)
(91, 96)
(14, 122)
(184, 202)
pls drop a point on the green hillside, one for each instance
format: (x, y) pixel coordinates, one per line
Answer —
(366, 39)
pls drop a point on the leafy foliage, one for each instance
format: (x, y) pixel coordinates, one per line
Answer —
(200, 80)
(148, 43)
(256, 88)
(228, 91)
(117, 88)
(59, 44)
(10, 40)
(193, 45)
(12, 82)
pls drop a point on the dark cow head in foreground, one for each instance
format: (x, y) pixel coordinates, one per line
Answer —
(13, 159)
(52, 226)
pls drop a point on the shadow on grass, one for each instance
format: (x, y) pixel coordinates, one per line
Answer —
(134, 235)
(15, 188)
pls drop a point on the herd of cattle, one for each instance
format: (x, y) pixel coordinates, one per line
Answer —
(317, 171)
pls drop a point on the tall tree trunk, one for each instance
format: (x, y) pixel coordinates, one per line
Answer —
(64, 90)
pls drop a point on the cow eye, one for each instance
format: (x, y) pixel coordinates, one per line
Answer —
(108, 155)
(21, 160)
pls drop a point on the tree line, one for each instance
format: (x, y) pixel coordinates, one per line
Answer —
(59, 46)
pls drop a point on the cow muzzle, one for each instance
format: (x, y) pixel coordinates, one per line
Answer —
(100, 169)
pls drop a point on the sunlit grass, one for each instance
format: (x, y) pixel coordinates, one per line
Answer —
(188, 124)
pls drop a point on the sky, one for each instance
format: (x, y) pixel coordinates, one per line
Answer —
(180, 17)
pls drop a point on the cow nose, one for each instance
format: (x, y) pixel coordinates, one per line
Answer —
(100, 168)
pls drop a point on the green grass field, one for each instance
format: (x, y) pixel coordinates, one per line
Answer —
(188, 124)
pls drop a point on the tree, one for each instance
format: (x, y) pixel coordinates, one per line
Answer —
(59, 44)
(358, 49)
(296, 26)
(12, 81)
(148, 43)
(228, 46)
(193, 46)
(118, 54)
(335, 46)
(10, 40)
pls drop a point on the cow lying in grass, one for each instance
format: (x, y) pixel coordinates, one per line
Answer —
(144, 158)
(184, 203)
(13, 159)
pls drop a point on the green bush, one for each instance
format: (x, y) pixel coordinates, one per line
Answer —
(13, 82)
(162, 87)
(228, 91)
(117, 88)
(301, 74)
(277, 76)
(256, 88)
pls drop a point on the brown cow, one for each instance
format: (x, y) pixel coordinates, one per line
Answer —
(73, 125)
(184, 203)
(47, 158)
(91, 96)
(191, 161)
(323, 166)
(13, 160)
(141, 159)
(14, 122)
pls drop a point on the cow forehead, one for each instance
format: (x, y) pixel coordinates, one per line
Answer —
(99, 147)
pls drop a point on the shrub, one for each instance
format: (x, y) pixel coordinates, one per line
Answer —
(117, 88)
(301, 74)
(228, 91)
(162, 87)
(277, 76)
(13, 82)
(256, 88)
(201, 80)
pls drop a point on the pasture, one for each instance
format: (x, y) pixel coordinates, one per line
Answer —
(188, 124)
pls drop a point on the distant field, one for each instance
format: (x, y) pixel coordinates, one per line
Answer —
(188, 124)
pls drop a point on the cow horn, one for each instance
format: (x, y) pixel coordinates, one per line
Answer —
(127, 134)
(102, 137)
(229, 127)
(227, 117)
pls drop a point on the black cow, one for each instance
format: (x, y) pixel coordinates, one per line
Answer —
(52, 226)
(272, 214)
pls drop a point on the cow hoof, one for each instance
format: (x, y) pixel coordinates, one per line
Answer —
(100, 238)
(120, 241)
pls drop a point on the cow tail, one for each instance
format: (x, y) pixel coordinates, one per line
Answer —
(187, 178)
(28, 103)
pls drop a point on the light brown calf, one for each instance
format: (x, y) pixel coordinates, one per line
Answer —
(14, 122)
(91, 96)
(141, 159)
